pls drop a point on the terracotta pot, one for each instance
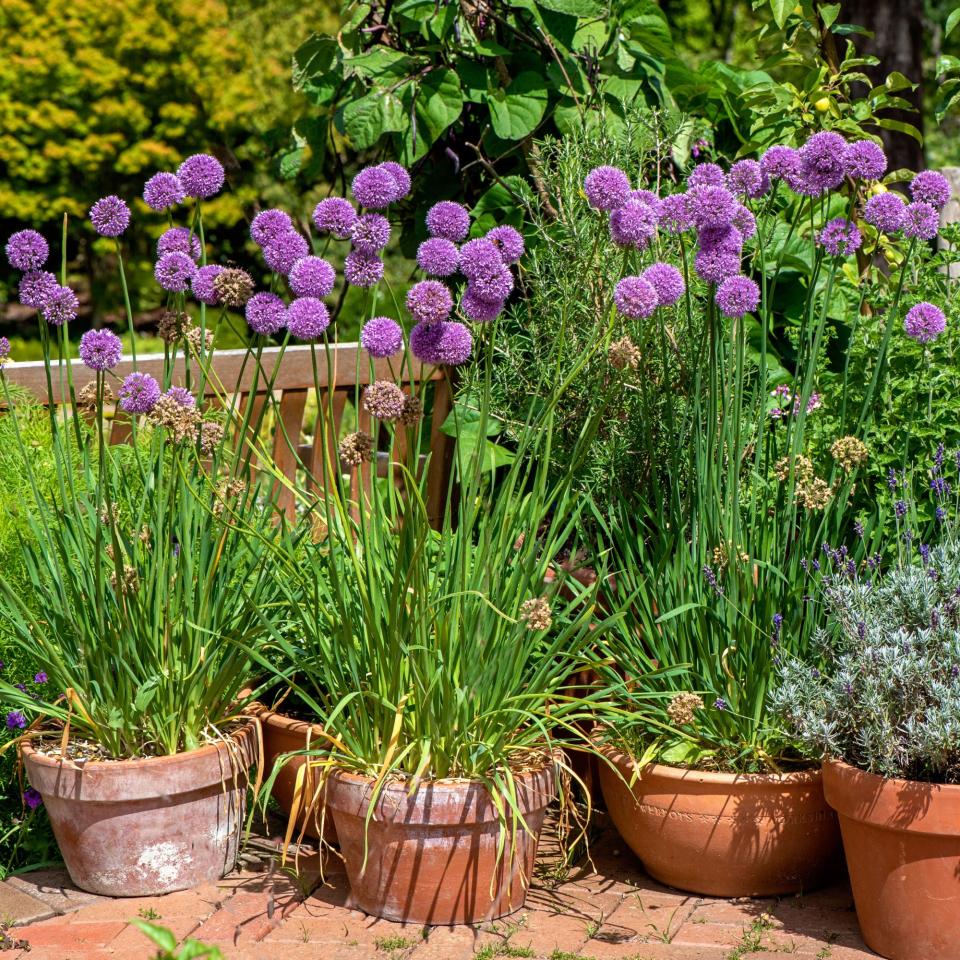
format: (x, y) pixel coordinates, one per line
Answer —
(136, 828)
(283, 735)
(725, 835)
(902, 841)
(431, 857)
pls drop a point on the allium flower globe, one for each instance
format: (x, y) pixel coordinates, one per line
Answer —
(712, 207)
(400, 177)
(667, 282)
(27, 250)
(438, 257)
(606, 188)
(931, 187)
(737, 296)
(840, 237)
(728, 239)
(163, 191)
(384, 400)
(362, 270)
(374, 188)
(744, 222)
(706, 175)
(886, 211)
(648, 197)
(233, 286)
(182, 396)
(864, 160)
(370, 233)
(920, 221)
(673, 214)
(284, 251)
(336, 216)
(716, 264)
(821, 161)
(267, 225)
(924, 322)
(477, 309)
(780, 162)
(747, 179)
(442, 344)
(635, 297)
(202, 284)
(429, 301)
(312, 277)
(138, 393)
(381, 337)
(36, 288)
(174, 271)
(61, 307)
(100, 349)
(508, 241)
(307, 318)
(110, 216)
(493, 288)
(179, 240)
(632, 225)
(265, 313)
(480, 258)
(201, 176)
(448, 220)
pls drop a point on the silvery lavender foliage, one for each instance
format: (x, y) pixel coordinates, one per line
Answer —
(885, 695)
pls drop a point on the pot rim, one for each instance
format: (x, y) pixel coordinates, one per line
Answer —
(848, 770)
(274, 718)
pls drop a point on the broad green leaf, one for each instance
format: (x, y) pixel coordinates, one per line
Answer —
(439, 103)
(363, 120)
(314, 60)
(162, 937)
(952, 21)
(781, 10)
(829, 12)
(291, 162)
(907, 128)
(575, 8)
(381, 63)
(517, 111)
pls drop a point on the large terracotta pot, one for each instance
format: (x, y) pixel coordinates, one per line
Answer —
(721, 834)
(431, 857)
(135, 828)
(283, 735)
(902, 841)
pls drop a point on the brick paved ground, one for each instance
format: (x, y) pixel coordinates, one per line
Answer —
(259, 913)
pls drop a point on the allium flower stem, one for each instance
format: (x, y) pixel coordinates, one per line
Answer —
(126, 304)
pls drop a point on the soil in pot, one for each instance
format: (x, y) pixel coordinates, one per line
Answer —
(902, 843)
(143, 827)
(725, 835)
(430, 857)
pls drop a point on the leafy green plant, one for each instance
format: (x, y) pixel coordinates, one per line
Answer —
(168, 949)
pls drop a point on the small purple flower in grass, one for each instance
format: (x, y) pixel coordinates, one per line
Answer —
(706, 175)
(448, 220)
(477, 309)
(16, 720)
(381, 337)
(182, 396)
(202, 284)
(633, 224)
(864, 160)
(495, 288)
(265, 313)
(374, 188)
(37, 287)
(737, 296)
(40, 678)
(858, 528)
(720, 704)
(448, 343)
(61, 308)
(673, 213)
(179, 240)
(840, 237)
(162, 191)
(27, 250)
(201, 176)
(100, 349)
(667, 281)
(307, 318)
(370, 233)
(900, 509)
(508, 241)
(716, 264)
(712, 206)
(429, 301)
(635, 297)
(931, 187)
(438, 257)
(920, 221)
(480, 258)
(747, 179)
(335, 215)
(110, 216)
(267, 225)
(886, 211)
(780, 162)
(284, 251)
(606, 188)
(941, 486)
(924, 322)
(138, 393)
(821, 161)
(400, 177)
(174, 271)
(941, 514)
(362, 270)
(4, 356)
(32, 798)
(312, 277)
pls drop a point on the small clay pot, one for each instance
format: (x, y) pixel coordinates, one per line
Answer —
(284, 735)
(137, 828)
(902, 842)
(723, 834)
(431, 857)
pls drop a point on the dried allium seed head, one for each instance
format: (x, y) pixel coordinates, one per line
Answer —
(814, 494)
(127, 584)
(173, 326)
(194, 339)
(384, 400)
(356, 448)
(181, 422)
(144, 536)
(623, 354)
(110, 513)
(849, 452)
(210, 436)
(412, 412)
(87, 397)
(233, 286)
(802, 469)
(681, 708)
(535, 613)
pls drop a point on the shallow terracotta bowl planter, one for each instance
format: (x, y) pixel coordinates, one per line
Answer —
(136, 828)
(431, 857)
(902, 843)
(721, 834)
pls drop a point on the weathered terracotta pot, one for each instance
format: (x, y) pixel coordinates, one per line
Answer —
(431, 857)
(135, 828)
(284, 735)
(902, 842)
(721, 834)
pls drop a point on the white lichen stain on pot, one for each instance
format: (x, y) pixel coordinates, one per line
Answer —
(165, 861)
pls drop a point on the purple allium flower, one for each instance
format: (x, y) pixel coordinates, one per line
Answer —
(307, 318)
(712, 207)
(744, 222)
(667, 281)
(267, 225)
(312, 277)
(924, 322)
(448, 220)
(715, 264)
(438, 257)
(284, 251)
(480, 258)
(361, 270)
(201, 176)
(37, 287)
(633, 224)
(747, 179)
(840, 237)
(864, 160)
(900, 509)
(32, 798)
(381, 337)
(720, 704)
(374, 188)
(400, 177)
(706, 175)
(182, 396)
(508, 241)
(821, 161)
(673, 214)
(780, 162)
(138, 393)
(4, 356)
(606, 188)
(100, 349)
(885, 211)
(202, 284)
(498, 287)
(110, 216)
(335, 215)
(27, 250)
(40, 677)
(179, 240)
(266, 313)
(162, 191)
(370, 233)
(646, 196)
(737, 296)
(174, 271)
(635, 297)
(16, 720)
(477, 309)
(727, 239)
(920, 220)
(62, 307)
(931, 187)
(447, 343)
(429, 301)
